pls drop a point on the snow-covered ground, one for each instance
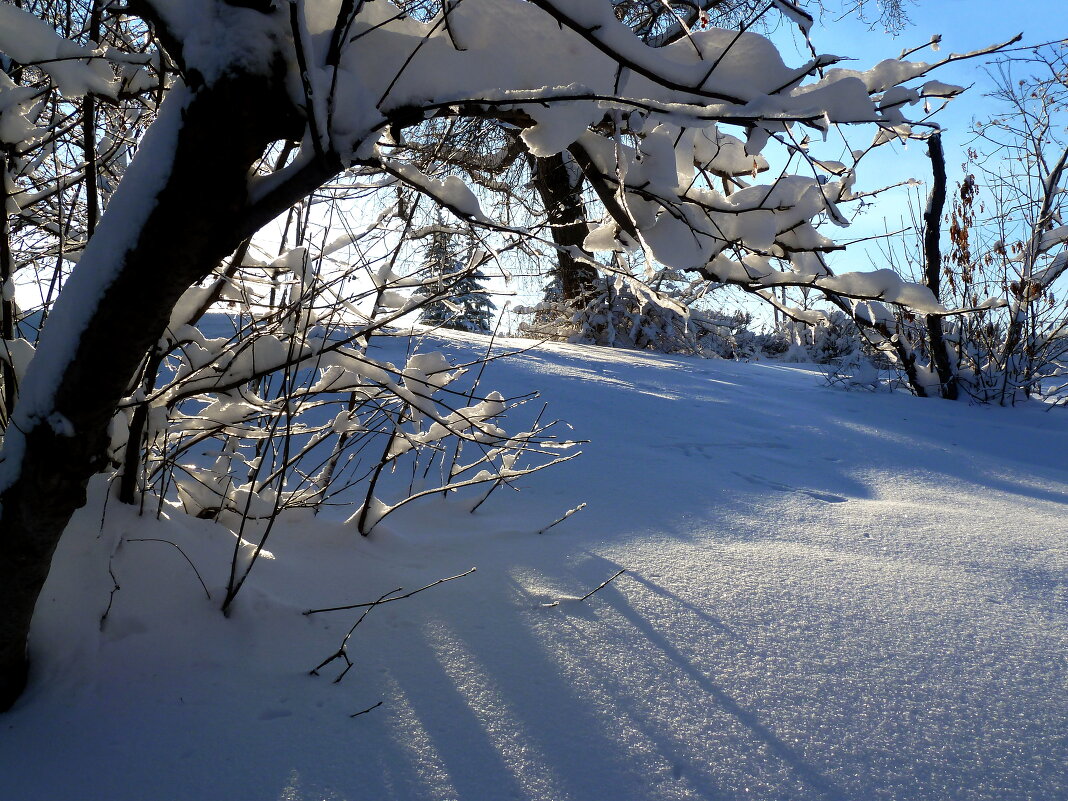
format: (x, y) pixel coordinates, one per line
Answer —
(828, 595)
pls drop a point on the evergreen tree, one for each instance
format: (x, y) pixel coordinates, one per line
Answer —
(466, 305)
(437, 265)
(476, 309)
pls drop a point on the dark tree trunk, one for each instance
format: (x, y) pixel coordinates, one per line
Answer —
(932, 267)
(135, 441)
(8, 382)
(567, 217)
(201, 214)
(92, 194)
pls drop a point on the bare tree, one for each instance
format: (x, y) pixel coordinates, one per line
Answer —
(1005, 260)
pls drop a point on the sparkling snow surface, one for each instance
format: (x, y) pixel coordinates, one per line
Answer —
(828, 595)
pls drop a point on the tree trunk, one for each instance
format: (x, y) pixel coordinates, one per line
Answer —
(200, 213)
(932, 258)
(567, 218)
(135, 440)
(8, 381)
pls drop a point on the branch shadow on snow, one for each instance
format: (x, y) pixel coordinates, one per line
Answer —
(700, 673)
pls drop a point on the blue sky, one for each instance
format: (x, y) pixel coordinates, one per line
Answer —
(965, 25)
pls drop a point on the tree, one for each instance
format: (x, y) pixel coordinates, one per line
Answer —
(464, 303)
(438, 264)
(1022, 246)
(256, 83)
(1003, 263)
(470, 294)
(557, 179)
(483, 149)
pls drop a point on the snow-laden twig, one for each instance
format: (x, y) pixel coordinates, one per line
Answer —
(599, 587)
(563, 517)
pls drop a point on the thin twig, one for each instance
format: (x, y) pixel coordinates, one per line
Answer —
(365, 711)
(183, 553)
(111, 595)
(343, 650)
(565, 516)
(385, 599)
(603, 584)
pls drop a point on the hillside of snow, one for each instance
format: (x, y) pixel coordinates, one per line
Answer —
(828, 595)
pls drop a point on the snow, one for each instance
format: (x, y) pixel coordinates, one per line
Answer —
(15, 126)
(559, 125)
(219, 37)
(1052, 238)
(828, 595)
(75, 69)
(402, 66)
(18, 353)
(939, 89)
(451, 192)
(801, 18)
(884, 285)
(723, 153)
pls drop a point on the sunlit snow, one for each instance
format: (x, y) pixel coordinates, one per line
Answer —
(828, 595)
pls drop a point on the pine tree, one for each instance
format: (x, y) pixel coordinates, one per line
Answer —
(476, 309)
(437, 265)
(465, 305)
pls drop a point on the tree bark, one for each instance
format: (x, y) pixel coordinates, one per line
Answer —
(200, 214)
(567, 218)
(8, 381)
(932, 267)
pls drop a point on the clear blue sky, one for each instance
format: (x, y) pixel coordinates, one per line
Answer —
(964, 25)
